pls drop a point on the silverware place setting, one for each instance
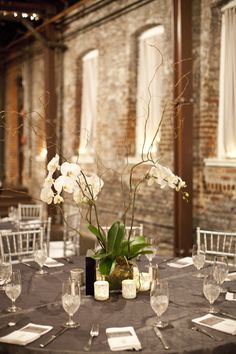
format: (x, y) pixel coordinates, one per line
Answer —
(161, 337)
(204, 331)
(93, 333)
(53, 337)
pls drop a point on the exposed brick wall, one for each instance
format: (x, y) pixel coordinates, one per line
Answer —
(115, 38)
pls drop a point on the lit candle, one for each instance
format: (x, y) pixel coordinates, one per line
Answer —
(101, 290)
(129, 289)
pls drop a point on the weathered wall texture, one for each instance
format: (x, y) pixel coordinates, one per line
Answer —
(114, 38)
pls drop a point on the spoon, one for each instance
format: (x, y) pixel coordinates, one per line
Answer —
(9, 324)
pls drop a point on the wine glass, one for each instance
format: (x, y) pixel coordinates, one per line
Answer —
(159, 299)
(220, 271)
(211, 290)
(71, 301)
(13, 290)
(152, 248)
(5, 270)
(40, 256)
(198, 257)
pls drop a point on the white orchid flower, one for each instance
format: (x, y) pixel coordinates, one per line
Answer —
(181, 184)
(64, 183)
(48, 182)
(79, 197)
(53, 165)
(46, 195)
(95, 185)
(70, 169)
(88, 189)
(57, 199)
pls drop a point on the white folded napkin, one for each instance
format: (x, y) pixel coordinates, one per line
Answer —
(230, 296)
(231, 277)
(122, 338)
(50, 263)
(181, 263)
(5, 219)
(26, 334)
(225, 325)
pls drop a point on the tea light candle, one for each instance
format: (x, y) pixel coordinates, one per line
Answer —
(101, 290)
(129, 289)
(144, 281)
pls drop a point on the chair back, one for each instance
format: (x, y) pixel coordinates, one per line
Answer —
(30, 211)
(71, 236)
(37, 225)
(218, 243)
(20, 244)
(137, 230)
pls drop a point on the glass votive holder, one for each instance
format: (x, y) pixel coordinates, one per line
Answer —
(77, 274)
(101, 290)
(129, 289)
(144, 281)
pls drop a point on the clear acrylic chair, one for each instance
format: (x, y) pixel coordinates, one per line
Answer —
(137, 230)
(30, 212)
(36, 225)
(218, 243)
(71, 236)
(20, 245)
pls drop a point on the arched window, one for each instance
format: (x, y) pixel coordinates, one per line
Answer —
(149, 89)
(88, 102)
(227, 102)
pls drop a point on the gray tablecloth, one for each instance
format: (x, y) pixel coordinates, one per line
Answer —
(41, 303)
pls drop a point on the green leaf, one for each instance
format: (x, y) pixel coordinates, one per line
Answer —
(118, 240)
(100, 254)
(98, 234)
(111, 236)
(107, 265)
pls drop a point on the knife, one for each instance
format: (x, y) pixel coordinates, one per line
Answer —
(162, 339)
(53, 337)
(227, 315)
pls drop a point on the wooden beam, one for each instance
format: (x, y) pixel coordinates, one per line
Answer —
(183, 144)
(50, 103)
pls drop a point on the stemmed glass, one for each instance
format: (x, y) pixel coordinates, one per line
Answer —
(71, 301)
(5, 270)
(13, 290)
(159, 299)
(211, 290)
(40, 256)
(220, 271)
(198, 256)
(152, 248)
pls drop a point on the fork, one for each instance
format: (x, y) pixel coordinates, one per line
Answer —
(93, 333)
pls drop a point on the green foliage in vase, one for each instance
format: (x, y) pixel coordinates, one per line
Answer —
(114, 246)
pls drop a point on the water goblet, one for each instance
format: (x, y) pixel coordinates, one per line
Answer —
(13, 290)
(152, 248)
(71, 301)
(40, 257)
(211, 290)
(5, 270)
(220, 271)
(159, 299)
(198, 257)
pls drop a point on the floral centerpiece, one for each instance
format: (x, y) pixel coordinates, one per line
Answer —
(115, 246)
